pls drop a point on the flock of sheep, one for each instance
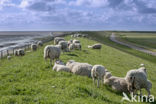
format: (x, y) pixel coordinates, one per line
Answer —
(134, 80)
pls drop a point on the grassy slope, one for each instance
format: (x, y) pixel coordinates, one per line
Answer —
(147, 40)
(29, 79)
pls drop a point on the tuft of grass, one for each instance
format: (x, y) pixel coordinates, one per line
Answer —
(30, 80)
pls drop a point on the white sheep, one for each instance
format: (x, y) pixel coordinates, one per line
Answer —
(75, 46)
(117, 83)
(52, 52)
(95, 46)
(39, 43)
(70, 42)
(98, 72)
(33, 47)
(137, 79)
(78, 68)
(19, 52)
(59, 66)
(64, 45)
(57, 39)
(76, 41)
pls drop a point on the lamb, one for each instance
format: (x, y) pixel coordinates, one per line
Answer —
(19, 52)
(59, 66)
(64, 45)
(95, 46)
(117, 83)
(83, 69)
(52, 52)
(76, 41)
(39, 43)
(57, 39)
(137, 79)
(98, 72)
(33, 47)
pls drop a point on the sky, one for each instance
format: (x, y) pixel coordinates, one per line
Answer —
(55, 15)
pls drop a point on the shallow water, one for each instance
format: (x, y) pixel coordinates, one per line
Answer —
(14, 39)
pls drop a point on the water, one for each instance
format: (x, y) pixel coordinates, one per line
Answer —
(14, 39)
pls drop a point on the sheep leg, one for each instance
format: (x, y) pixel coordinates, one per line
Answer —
(149, 92)
(102, 81)
(98, 83)
(93, 81)
(50, 62)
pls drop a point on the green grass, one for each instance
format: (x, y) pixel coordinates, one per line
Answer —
(145, 40)
(30, 80)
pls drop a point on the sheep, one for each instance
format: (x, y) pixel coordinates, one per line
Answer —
(39, 43)
(95, 46)
(52, 52)
(75, 46)
(76, 41)
(70, 42)
(9, 57)
(71, 46)
(59, 66)
(57, 39)
(137, 79)
(98, 72)
(33, 47)
(117, 83)
(83, 69)
(64, 45)
(71, 63)
(19, 52)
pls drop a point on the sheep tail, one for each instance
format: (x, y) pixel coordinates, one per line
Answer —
(46, 54)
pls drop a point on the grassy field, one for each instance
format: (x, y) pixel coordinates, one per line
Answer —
(145, 40)
(30, 80)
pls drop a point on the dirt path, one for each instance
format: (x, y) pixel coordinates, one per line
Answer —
(113, 38)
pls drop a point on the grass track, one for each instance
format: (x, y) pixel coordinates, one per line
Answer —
(29, 80)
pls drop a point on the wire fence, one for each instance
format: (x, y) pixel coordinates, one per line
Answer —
(11, 51)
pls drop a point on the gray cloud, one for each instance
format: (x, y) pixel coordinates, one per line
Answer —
(40, 6)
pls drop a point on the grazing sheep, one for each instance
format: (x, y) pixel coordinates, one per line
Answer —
(64, 45)
(39, 43)
(117, 83)
(98, 72)
(52, 52)
(33, 47)
(71, 46)
(95, 46)
(57, 39)
(59, 66)
(83, 69)
(137, 79)
(76, 41)
(9, 57)
(70, 42)
(75, 46)
(19, 52)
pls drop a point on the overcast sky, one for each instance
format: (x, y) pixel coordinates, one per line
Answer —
(77, 15)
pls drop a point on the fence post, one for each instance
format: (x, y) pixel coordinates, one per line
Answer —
(7, 52)
(1, 54)
(13, 51)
